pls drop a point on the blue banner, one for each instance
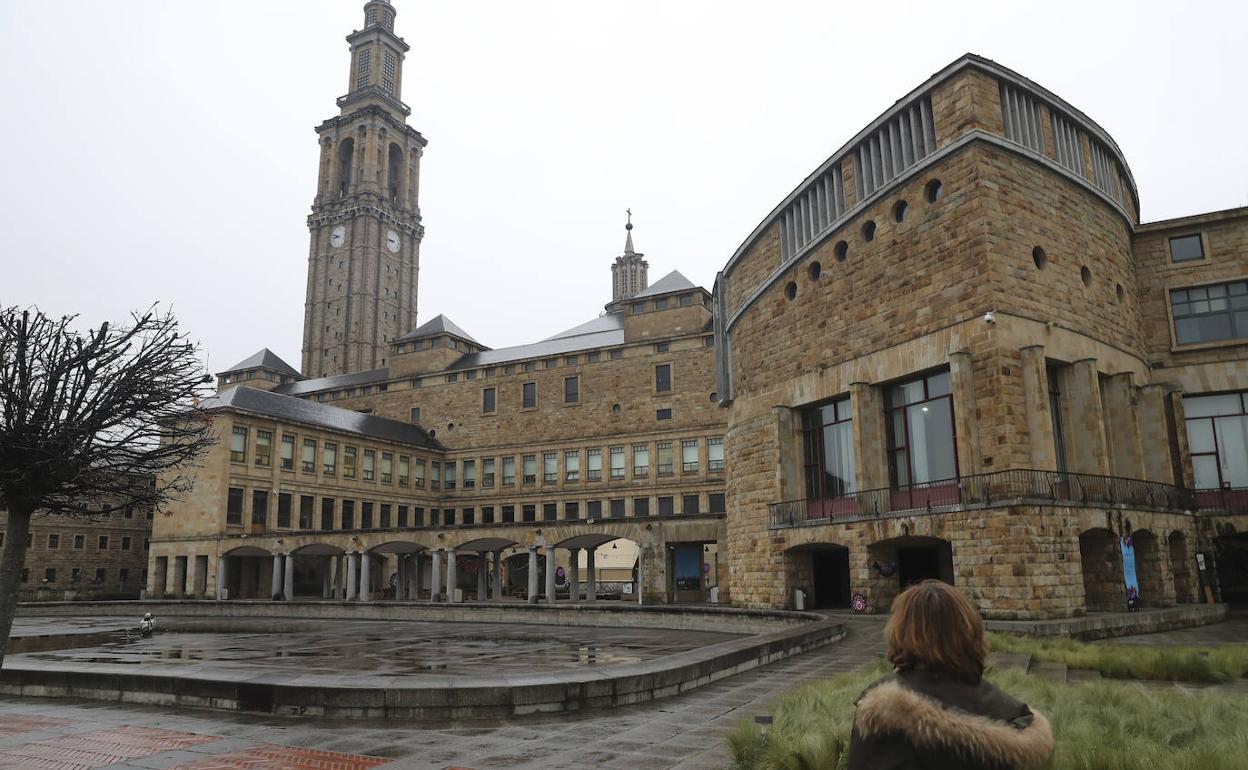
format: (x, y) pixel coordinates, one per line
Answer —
(1128, 573)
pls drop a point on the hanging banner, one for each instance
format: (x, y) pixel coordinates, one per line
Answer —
(1128, 574)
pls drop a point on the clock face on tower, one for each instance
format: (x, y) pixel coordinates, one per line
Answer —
(338, 236)
(392, 240)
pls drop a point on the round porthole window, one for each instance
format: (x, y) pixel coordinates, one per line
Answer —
(842, 251)
(615, 409)
(1038, 256)
(933, 190)
(868, 231)
(814, 271)
(899, 211)
(790, 290)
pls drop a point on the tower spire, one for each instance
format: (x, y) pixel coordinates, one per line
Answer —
(628, 273)
(628, 240)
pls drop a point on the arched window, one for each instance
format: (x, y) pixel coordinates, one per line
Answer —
(394, 179)
(346, 159)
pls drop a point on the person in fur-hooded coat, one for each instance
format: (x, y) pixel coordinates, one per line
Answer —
(935, 711)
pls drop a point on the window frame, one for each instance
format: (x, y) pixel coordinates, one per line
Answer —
(1199, 235)
(1230, 311)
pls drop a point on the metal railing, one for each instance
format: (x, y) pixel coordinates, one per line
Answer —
(1224, 500)
(999, 488)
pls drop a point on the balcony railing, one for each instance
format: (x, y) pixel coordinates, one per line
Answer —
(1225, 500)
(1000, 488)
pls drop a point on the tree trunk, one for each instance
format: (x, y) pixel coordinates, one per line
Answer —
(11, 563)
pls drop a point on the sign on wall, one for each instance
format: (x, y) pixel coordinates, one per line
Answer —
(1128, 574)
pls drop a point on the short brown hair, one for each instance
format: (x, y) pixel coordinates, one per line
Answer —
(934, 626)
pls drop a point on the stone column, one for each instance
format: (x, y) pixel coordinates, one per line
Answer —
(451, 576)
(483, 583)
(591, 576)
(574, 576)
(277, 577)
(1184, 476)
(966, 424)
(498, 576)
(550, 574)
(1122, 426)
(327, 580)
(532, 574)
(1155, 434)
(870, 446)
(288, 578)
(435, 582)
(1087, 449)
(340, 576)
(199, 580)
(400, 585)
(223, 577)
(366, 576)
(353, 560)
(1039, 414)
(179, 577)
(415, 575)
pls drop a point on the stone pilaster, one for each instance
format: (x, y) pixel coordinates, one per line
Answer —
(1039, 412)
(1087, 451)
(1122, 426)
(965, 413)
(1155, 440)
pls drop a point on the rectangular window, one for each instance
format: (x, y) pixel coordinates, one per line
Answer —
(329, 458)
(348, 462)
(509, 471)
(259, 507)
(548, 363)
(660, 303)
(572, 465)
(405, 470)
(419, 479)
(664, 461)
(387, 467)
(661, 347)
(448, 475)
(414, 415)
(663, 378)
(570, 360)
(388, 70)
(921, 443)
(402, 523)
(617, 462)
(593, 510)
(385, 516)
(366, 515)
(550, 467)
(238, 445)
(667, 506)
(468, 516)
(487, 472)
(1217, 436)
(103, 544)
(306, 504)
(1186, 248)
(348, 514)
(530, 366)
(639, 308)
(663, 414)
(641, 506)
(550, 512)
(529, 512)
(283, 510)
(717, 502)
(571, 390)
(54, 542)
(488, 400)
(80, 541)
(828, 450)
(435, 516)
(641, 460)
(123, 576)
(530, 469)
(234, 507)
(327, 513)
(49, 574)
(470, 474)
(1210, 313)
(418, 516)
(690, 504)
(529, 395)
(370, 460)
(288, 453)
(715, 454)
(617, 508)
(593, 358)
(264, 448)
(509, 514)
(435, 474)
(571, 511)
(616, 355)
(365, 59)
(593, 465)
(686, 300)
(689, 455)
(452, 377)
(308, 461)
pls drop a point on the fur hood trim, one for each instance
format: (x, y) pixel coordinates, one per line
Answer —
(927, 724)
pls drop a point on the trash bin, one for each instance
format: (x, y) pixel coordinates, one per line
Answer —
(799, 599)
(714, 594)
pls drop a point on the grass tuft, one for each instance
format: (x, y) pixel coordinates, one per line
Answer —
(1170, 664)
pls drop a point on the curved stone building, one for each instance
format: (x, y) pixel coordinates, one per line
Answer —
(953, 351)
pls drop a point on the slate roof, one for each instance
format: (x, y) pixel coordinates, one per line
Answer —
(263, 359)
(279, 407)
(600, 332)
(333, 382)
(436, 326)
(673, 281)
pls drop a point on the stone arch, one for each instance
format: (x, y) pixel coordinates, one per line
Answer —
(821, 570)
(394, 173)
(1231, 551)
(1185, 587)
(317, 549)
(1152, 571)
(249, 571)
(346, 162)
(1100, 558)
(899, 562)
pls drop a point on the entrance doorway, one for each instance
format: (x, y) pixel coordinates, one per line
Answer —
(830, 578)
(687, 573)
(918, 563)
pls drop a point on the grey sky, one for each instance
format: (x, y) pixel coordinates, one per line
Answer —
(160, 150)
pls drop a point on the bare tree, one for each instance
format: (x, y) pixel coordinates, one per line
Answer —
(103, 420)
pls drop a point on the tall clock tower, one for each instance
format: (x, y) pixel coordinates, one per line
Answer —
(364, 259)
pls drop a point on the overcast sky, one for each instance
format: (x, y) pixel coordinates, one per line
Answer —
(164, 151)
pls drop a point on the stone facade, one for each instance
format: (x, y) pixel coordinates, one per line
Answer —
(985, 232)
(103, 555)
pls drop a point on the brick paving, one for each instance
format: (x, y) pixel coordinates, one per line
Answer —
(682, 733)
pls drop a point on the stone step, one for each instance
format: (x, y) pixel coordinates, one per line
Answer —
(1083, 675)
(1000, 661)
(1052, 672)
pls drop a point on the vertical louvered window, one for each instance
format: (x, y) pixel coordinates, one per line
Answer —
(1020, 114)
(902, 141)
(1069, 145)
(818, 206)
(1104, 169)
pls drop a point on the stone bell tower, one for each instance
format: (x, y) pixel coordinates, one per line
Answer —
(364, 259)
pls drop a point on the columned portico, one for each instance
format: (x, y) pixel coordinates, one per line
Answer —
(574, 576)
(366, 585)
(550, 574)
(435, 588)
(532, 574)
(451, 576)
(591, 577)
(352, 577)
(276, 591)
(288, 578)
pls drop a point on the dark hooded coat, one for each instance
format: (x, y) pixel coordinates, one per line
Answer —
(924, 720)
